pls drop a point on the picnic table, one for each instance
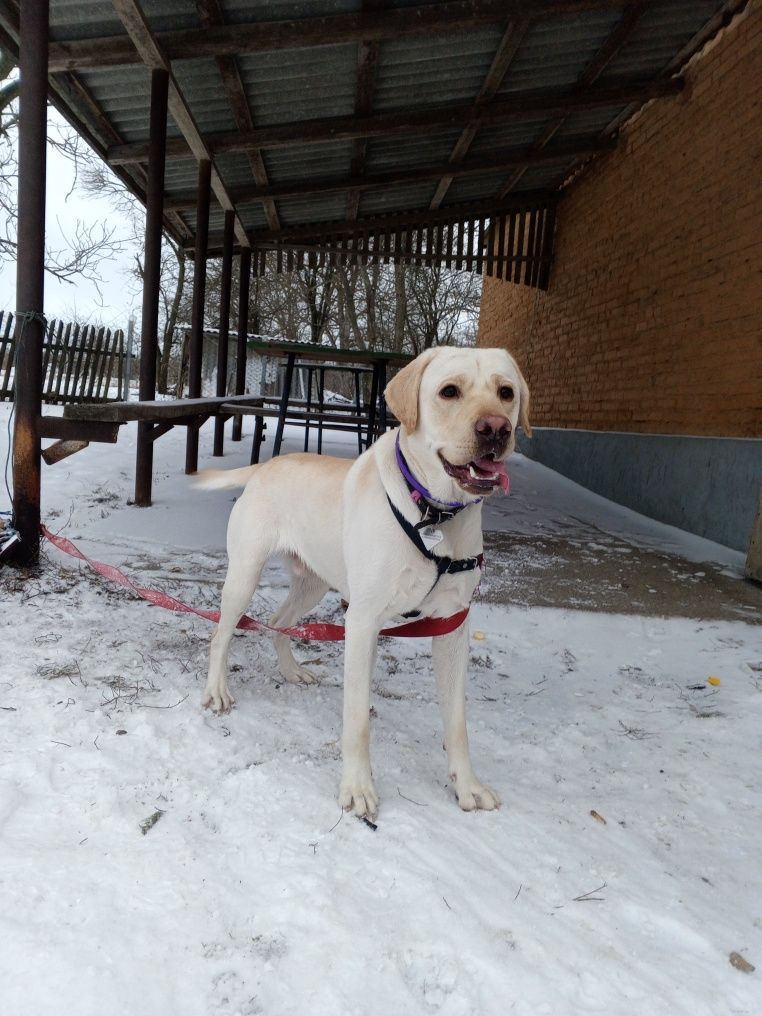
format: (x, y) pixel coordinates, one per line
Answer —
(368, 419)
(92, 422)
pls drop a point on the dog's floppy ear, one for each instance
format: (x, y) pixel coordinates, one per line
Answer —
(524, 405)
(401, 393)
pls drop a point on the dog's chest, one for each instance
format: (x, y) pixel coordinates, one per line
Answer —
(417, 588)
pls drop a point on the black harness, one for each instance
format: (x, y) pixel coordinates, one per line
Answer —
(432, 515)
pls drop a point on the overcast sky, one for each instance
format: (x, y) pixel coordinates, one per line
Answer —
(119, 295)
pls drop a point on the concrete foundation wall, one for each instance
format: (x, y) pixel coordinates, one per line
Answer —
(709, 486)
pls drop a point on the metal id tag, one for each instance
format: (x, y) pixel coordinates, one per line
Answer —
(431, 536)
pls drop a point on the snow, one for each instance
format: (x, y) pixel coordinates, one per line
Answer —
(252, 894)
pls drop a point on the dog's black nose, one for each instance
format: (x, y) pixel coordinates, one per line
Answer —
(494, 429)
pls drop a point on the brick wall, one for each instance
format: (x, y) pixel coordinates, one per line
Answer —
(653, 320)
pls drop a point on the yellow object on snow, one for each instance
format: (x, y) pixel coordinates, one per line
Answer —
(479, 636)
(713, 680)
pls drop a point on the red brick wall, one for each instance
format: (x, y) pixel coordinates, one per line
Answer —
(653, 320)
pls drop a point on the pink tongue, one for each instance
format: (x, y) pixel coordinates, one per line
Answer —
(495, 468)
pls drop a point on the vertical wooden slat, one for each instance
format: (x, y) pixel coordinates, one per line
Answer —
(447, 242)
(518, 264)
(510, 239)
(480, 246)
(527, 261)
(456, 228)
(470, 245)
(500, 250)
(418, 246)
(71, 362)
(95, 356)
(63, 360)
(104, 370)
(48, 349)
(95, 370)
(7, 350)
(78, 362)
(86, 338)
(438, 244)
(490, 239)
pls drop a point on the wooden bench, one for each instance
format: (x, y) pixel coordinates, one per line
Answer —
(173, 411)
(340, 418)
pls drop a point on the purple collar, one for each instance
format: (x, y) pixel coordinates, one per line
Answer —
(417, 491)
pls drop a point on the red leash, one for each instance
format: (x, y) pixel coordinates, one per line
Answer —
(318, 632)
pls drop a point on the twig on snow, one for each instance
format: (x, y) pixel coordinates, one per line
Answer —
(588, 897)
(419, 803)
(173, 706)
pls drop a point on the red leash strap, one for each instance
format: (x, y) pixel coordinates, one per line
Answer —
(318, 632)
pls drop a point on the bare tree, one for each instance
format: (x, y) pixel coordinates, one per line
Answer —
(96, 178)
(91, 244)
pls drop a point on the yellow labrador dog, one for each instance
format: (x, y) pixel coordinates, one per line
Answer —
(396, 532)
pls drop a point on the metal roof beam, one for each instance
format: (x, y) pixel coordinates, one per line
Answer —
(365, 26)
(409, 121)
(613, 44)
(210, 14)
(153, 56)
(367, 59)
(365, 182)
(510, 42)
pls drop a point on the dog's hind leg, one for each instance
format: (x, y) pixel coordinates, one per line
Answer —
(242, 579)
(306, 590)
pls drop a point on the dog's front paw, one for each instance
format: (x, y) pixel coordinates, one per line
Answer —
(217, 697)
(473, 795)
(358, 795)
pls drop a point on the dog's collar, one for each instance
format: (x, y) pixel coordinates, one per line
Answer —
(433, 512)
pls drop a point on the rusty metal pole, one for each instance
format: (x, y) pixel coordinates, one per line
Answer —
(149, 340)
(30, 282)
(224, 330)
(197, 310)
(243, 330)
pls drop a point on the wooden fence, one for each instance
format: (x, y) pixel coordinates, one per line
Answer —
(80, 363)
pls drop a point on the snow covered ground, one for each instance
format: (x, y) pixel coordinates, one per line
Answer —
(619, 876)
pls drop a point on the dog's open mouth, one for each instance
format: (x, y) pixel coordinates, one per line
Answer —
(480, 476)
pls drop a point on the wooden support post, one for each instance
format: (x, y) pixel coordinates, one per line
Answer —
(243, 328)
(224, 329)
(30, 284)
(149, 327)
(197, 311)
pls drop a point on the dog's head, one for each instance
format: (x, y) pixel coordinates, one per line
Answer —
(460, 409)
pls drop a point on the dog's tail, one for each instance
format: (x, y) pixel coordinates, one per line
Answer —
(223, 479)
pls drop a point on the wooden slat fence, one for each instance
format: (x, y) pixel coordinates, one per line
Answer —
(80, 363)
(513, 245)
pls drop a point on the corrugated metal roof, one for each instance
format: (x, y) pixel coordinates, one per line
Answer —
(309, 85)
(441, 70)
(300, 84)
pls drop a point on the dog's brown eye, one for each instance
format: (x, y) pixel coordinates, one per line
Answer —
(506, 393)
(450, 392)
